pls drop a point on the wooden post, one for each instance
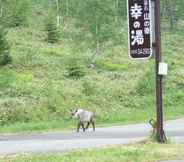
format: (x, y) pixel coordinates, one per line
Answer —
(158, 58)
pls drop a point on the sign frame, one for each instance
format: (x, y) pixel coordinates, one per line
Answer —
(151, 34)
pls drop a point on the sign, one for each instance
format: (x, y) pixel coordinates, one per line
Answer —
(162, 68)
(139, 29)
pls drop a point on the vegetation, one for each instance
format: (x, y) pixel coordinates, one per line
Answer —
(84, 62)
(140, 152)
(15, 12)
(5, 57)
(51, 29)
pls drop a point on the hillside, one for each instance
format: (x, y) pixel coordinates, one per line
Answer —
(45, 80)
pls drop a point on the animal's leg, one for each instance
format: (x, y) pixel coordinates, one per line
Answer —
(78, 126)
(82, 124)
(93, 124)
(87, 125)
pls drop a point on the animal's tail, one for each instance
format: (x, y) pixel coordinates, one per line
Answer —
(152, 122)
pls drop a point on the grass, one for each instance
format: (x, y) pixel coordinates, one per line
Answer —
(37, 88)
(145, 152)
(39, 127)
(109, 66)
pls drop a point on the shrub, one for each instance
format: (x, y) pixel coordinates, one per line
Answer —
(5, 57)
(9, 115)
(74, 69)
(147, 83)
(51, 29)
(16, 12)
(88, 88)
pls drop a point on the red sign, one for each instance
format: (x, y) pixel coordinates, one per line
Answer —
(139, 29)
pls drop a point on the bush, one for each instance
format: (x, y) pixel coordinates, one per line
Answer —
(16, 12)
(74, 69)
(5, 57)
(51, 29)
(9, 115)
(88, 88)
(146, 84)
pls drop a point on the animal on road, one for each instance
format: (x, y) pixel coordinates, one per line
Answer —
(154, 134)
(153, 123)
(83, 116)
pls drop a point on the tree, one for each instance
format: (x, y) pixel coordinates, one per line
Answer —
(62, 11)
(5, 57)
(116, 6)
(97, 18)
(2, 3)
(51, 29)
(1, 8)
(168, 12)
(15, 12)
(58, 13)
(120, 10)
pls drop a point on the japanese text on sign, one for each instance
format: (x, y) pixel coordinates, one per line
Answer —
(139, 28)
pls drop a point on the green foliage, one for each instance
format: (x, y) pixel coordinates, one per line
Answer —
(10, 115)
(16, 12)
(177, 7)
(146, 84)
(145, 151)
(88, 88)
(5, 57)
(117, 89)
(107, 65)
(96, 17)
(51, 29)
(74, 69)
(11, 111)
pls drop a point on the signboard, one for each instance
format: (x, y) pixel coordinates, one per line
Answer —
(139, 29)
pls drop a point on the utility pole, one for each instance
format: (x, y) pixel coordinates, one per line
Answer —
(160, 132)
(140, 39)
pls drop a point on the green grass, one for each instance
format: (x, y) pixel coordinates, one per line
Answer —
(109, 66)
(149, 152)
(35, 89)
(39, 127)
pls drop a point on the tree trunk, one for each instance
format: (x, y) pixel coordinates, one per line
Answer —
(97, 40)
(168, 12)
(1, 8)
(116, 4)
(58, 14)
(67, 8)
(97, 46)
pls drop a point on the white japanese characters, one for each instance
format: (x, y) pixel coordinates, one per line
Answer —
(136, 11)
(137, 37)
(137, 24)
(139, 28)
(146, 17)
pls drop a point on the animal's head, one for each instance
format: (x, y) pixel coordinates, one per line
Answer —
(73, 112)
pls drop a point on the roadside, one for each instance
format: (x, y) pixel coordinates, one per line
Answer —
(60, 126)
(142, 152)
(64, 141)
